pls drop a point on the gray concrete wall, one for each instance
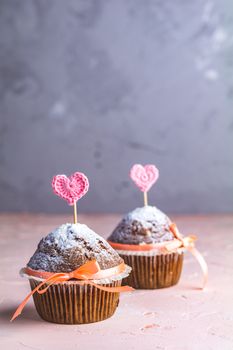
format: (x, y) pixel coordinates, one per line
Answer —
(97, 85)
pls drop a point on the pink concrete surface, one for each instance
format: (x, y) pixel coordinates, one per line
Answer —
(181, 317)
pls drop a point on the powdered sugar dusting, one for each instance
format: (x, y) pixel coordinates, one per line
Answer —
(146, 215)
(143, 225)
(70, 246)
(69, 235)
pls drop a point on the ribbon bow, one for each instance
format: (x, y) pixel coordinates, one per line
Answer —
(89, 271)
(188, 243)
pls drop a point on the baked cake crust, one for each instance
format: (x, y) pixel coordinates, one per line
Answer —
(69, 247)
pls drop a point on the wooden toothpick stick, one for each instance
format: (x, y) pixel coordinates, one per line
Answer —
(75, 212)
(145, 199)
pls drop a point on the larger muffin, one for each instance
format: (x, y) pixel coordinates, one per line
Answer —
(66, 249)
(141, 239)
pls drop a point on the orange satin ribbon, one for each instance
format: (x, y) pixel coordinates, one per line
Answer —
(89, 271)
(188, 243)
(178, 242)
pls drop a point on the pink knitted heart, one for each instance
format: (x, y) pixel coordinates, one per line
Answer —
(144, 176)
(70, 188)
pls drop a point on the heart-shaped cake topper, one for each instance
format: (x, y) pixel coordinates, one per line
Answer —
(144, 176)
(70, 188)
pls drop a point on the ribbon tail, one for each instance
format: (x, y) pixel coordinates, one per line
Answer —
(24, 302)
(111, 289)
(201, 262)
(59, 277)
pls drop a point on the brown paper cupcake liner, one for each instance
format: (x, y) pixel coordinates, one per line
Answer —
(152, 271)
(72, 303)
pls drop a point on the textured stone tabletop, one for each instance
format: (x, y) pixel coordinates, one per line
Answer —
(181, 317)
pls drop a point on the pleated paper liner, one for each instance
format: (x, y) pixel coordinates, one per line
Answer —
(72, 303)
(152, 271)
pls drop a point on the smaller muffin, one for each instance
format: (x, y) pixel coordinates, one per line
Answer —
(141, 239)
(64, 250)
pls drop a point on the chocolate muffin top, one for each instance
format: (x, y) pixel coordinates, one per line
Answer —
(144, 225)
(70, 246)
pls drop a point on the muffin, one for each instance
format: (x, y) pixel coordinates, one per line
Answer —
(75, 301)
(141, 239)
